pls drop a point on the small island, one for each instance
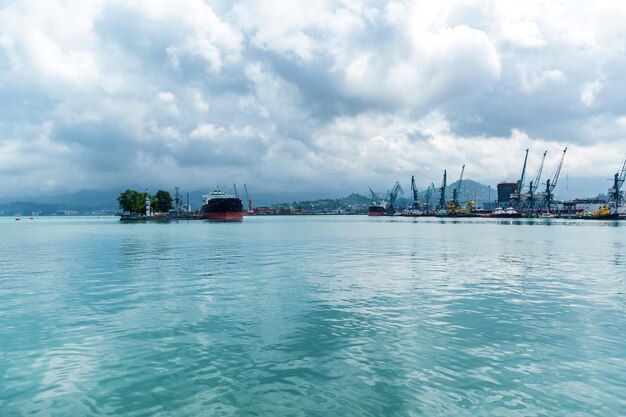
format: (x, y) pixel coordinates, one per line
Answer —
(138, 206)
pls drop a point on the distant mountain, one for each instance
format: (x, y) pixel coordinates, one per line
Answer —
(327, 204)
(473, 190)
(470, 190)
(28, 208)
(106, 199)
(33, 208)
(355, 199)
(92, 201)
(97, 201)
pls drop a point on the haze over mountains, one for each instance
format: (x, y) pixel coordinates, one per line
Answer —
(105, 201)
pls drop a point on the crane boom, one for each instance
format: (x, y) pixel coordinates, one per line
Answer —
(375, 197)
(557, 172)
(248, 198)
(429, 193)
(393, 194)
(455, 192)
(622, 176)
(442, 195)
(535, 183)
(461, 179)
(520, 183)
(414, 189)
(548, 195)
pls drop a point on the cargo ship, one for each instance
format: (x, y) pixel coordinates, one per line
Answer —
(384, 206)
(376, 210)
(221, 206)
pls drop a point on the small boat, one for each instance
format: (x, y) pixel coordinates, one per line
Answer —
(507, 213)
(603, 213)
(442, 213)
(412, 213)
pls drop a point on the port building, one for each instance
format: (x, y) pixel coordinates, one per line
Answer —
(505, 189)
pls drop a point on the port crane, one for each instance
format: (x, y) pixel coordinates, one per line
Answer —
(516, 197)
(428, 194)
(250, 211)
(534, 184)
(376, 198)
(442, 193)
(454, 203)
(393, 195)
(416, 202)
(616, 195)
(548, 195)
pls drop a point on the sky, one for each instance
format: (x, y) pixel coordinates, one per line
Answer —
(322, 97)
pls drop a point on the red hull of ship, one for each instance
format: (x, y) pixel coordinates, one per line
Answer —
(376, 213)
(224, 216)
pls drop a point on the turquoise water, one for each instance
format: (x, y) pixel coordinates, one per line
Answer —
(312, 316)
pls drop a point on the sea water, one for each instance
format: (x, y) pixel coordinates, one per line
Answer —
(312, 316)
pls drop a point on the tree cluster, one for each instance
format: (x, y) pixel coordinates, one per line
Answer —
(135, 202)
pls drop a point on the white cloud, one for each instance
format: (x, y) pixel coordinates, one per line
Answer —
(535, 81)
(168, 100)
(199, 102)
(455, 61)
(42, 50)
(282, 27)
(207, 36)
(590, 90)
(206, 131)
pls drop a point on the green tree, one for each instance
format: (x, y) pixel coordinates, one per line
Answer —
(163, 201)
(132, 201)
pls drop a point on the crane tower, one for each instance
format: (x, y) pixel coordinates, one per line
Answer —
(547, 196)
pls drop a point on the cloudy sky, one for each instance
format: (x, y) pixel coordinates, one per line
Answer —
(324, 95)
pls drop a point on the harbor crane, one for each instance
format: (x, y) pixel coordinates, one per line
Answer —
(534, 184)
(548, 195)
(393, 195)
(250, 211)
(416, 202)
(376, 198)
(516, 197)
(428, 194)
(442, 193)
(454, 203)
(616, 195)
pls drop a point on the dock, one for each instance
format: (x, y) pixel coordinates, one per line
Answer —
(159, 218)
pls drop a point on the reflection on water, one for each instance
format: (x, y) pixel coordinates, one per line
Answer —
(313, 316)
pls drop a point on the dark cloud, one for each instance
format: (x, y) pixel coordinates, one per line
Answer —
(104, 146)
(20, 104)
(141, 37)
